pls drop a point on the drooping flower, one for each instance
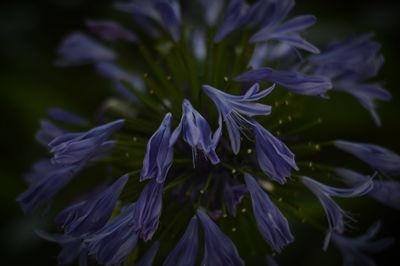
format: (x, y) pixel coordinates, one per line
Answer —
(110, 30)
(274, 157)
(78, 48)
(159, 153)
(377, 157)
(272, 225)
(148, 258)
(233, 195)
(291, 80)
(218, 249)
(236, 110)
(147, 210)
(288, 32)
(185, 252)
(197, 132)
(354, 249)
(112, 244)
(386, 192)
(67, 117)
(46, 187)
(77, 148)
(336, 215)
(91, 215)
(350, 64)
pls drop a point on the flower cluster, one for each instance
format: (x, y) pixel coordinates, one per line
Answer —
(199, 75)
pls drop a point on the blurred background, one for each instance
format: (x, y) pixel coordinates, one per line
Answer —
(30, 84)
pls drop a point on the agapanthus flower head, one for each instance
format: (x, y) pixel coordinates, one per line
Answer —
(376, 156)
(198, 65)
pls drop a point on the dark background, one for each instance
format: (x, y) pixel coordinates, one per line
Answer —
(29, 84)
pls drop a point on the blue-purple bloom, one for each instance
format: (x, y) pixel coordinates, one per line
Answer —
(354, 249)
(159, 153)
(197, 133)
(112, 244)
(148, 258)
(169, 12)
(218, 249)
(273, 156)
(77, 148)
(236, 110)
(78, 48)
(110, 30)
(91, 215)
(185, 252)
(291, 80)
(271, 223)
(67, 117)
(377, 157)
(46, 187)
(350, 64)
(147, 211)
(386, 192)
(336, 215)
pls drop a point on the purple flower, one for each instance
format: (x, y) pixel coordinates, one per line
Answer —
(72, 148)
(212, 9)
(77, 48)
(46, 187)
(377, 157)
(39, 171)
(291, 80)
(235, 16)
(112, 244)
(197, 132)
(353, 249)
(47, 132)
(185, 252)
(91, 215)
(159, 153)
(147, 210)
(169, 12)
(236, 110)
(67, 117)
(233, 195)
(274, 157)
(219, 249)
(336, 215)
(110, 30)
(272, 225)
(148, 258)
(72, 248)
(349, 64)
(386, 192)
(287, 32)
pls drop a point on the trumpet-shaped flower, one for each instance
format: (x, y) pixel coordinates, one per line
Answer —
(91, 215)
(272, 225)
(197, 132)
(274, 157)
(377, 157)
(185, 252)
(236, 110)
(219, 249)
(159, 153)
(336, 215)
